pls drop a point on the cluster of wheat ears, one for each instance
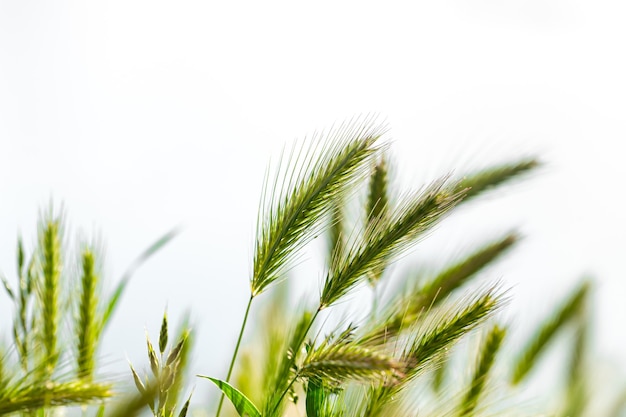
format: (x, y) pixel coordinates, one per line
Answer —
(396, 362)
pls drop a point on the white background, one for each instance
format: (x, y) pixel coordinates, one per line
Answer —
(139, 116)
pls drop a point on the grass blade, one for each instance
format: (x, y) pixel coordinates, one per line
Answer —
(242, 404)
(119, 290)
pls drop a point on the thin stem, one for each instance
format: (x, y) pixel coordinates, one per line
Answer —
(232, 361)
(280, 400)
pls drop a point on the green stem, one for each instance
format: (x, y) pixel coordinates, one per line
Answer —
(293, 359)
(280, 400)
(232, 361)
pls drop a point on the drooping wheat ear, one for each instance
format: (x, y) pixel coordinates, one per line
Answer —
(292, 207)
(430, 342)
(408, 306)
(458, 274)
(530, 354)
(579, 394)
(448, 328)
(87, 326)
(377, 202)
(487, 179)
(50, 244)
(485, 362)
(387, 239)
(340, 362)
(29, 396)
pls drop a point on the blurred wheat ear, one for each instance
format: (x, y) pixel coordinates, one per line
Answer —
(56, 297)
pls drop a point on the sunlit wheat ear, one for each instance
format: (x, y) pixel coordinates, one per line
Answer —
(340, 362)
(387, 239)
(485, 362)
(532, 351)
(50, 236)
(579, 387)
(408, 306)
(487, 179)
(429, 342)
(446, 327)
(460, 272)
(293, 205)
(87, 326)
(28, 396)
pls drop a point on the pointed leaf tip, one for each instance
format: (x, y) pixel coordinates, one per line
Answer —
(244, 407)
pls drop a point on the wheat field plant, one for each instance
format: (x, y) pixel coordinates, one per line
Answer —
(316, 358)
(44, 366)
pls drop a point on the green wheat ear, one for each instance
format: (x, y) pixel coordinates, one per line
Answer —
(336, 363)
(408, 306)
(293, 206)
(386, 239)
(486, 360)
(87, 326)
(487, 179)
(530, 354)
(49, 292)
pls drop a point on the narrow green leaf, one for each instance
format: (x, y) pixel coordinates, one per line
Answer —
(119, 290)
(183, 411)
(315, 396)
(242, 404)
(101, 410)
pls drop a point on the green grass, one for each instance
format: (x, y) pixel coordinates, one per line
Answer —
(399, 361)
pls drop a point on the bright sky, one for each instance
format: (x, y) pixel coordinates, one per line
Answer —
(142, 115)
